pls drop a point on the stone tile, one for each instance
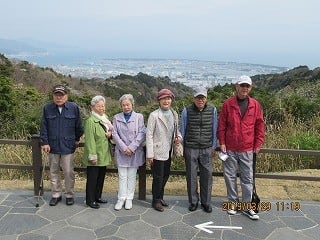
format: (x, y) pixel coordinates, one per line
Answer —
(23, 210)
(72, 233)
(125, 219)
(106, 230)
(253, 228)
(160, 219)
(298, 223)
(314, 232)
(232, 235)
(92, 218)
(60, 211)
(138, 230)
(4, 210)
(51, 228)
(287, 233)
(33, 236)
(20, 223)
(177, 230)
(9, 237)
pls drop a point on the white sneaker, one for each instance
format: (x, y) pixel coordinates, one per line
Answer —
(128, 204)
(251, 214)
(232, 212)
(119, 205)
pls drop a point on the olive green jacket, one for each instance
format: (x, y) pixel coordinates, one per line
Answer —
(96, 143)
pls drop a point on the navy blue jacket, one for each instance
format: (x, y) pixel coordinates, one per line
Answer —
(61, 131)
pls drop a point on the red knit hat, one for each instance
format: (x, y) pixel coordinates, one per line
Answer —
(165, 93)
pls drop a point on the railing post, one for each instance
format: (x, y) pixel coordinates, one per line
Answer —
(36, 163)
(142, 182)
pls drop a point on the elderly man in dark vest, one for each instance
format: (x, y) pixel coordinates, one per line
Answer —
(198, 129)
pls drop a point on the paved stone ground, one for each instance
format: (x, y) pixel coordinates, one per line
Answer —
(21, 220)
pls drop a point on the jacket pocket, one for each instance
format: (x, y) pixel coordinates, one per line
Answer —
(70, 120)
(70, 142)
(52, 142)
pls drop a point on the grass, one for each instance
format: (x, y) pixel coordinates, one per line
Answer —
(277, 136)
(266, 188)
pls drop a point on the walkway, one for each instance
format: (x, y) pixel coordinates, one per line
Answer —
(21, 220)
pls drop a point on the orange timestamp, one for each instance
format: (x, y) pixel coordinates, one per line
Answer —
(262, 206)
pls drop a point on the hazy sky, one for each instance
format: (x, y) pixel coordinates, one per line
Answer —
(273, 32)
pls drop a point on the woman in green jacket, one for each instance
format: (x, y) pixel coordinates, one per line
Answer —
(97, 130)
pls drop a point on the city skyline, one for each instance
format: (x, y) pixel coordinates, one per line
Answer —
(280, 33)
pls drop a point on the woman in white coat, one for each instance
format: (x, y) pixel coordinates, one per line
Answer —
(160, 138)
(129, 136)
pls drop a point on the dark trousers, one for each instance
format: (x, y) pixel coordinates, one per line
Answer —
(160, 173)
(95, 181)
(198, 159)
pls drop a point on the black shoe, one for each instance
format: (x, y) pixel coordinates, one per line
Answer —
(206, 207)
(54, 201)
(69, 201)
(94, 205)
(193, 207)
(158, 206)
(101, 200)
(163, 203)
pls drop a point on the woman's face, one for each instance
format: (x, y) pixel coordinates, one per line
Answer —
(99, 108)
(126, 106)
(165, 103)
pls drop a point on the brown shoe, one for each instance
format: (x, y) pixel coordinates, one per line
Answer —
(158, 206)
(163, 203)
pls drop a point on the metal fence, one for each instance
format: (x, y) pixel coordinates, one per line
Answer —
(37, 165)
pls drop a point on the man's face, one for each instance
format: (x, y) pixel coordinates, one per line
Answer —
(200, 101)
(243, 90)
(60, 98)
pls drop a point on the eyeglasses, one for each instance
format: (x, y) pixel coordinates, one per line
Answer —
(244, 85)
(200, 98)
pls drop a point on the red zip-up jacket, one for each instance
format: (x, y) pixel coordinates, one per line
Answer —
(241, 134)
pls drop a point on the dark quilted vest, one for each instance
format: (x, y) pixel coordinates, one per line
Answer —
(199, 127)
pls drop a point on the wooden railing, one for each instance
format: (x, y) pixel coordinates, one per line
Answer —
(37, 165)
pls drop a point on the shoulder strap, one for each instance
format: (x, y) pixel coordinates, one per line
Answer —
(103, 126)
(136, 120)
(254, 168)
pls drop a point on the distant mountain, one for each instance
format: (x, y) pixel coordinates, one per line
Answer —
(297, 77)
(10, 47)
(142, 86)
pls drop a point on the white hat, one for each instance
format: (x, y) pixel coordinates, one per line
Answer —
(244, 79)
(200, 91)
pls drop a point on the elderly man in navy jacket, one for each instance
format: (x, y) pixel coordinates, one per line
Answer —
(60, 132)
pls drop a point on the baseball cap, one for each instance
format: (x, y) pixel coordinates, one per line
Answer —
(60, 89)
(244, 79)
(200, 91)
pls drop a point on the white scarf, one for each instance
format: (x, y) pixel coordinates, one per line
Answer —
(106, 122)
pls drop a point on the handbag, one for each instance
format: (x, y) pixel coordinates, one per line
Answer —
(255, 200)
(112, 145)
(177, 147)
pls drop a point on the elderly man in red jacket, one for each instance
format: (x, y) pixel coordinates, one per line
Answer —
(240, 134)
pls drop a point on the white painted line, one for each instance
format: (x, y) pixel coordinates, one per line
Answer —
(205, 226)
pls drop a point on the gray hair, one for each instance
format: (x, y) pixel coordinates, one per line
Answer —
(97, 99)
(127, 97)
